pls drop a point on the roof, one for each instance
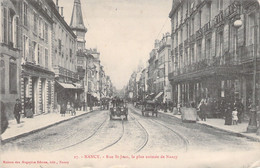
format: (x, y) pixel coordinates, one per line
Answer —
(77, 18)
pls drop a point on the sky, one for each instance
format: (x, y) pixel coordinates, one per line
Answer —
(123, 31)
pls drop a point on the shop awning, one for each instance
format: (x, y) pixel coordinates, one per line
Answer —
(68, 85)
(158, 95)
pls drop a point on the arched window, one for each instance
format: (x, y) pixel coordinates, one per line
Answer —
(13, 76)
(2, 74)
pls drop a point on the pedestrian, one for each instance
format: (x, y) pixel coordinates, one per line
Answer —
(228, 114)
(28, 108)
(234, 117)
(63, 109)
(73, 111)
(68, 108)
(203, 110)
(240, 108)
(222, 108)
(4, 120)
(17, 110)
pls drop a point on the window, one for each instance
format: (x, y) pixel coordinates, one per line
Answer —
(221, 43)
(251, 25)
(186, 57)
(46, 33)
(220, 5)
(35, 23)
(25, 47)
(35, 52)
(192, 55)
(5, 26)
(46, 58)
(199, 56)
(199, 19)
(59, 45)
(208, 47)
(37, 58)
(40, 27)
(209, 11)
(187, 30)
(192, 25)
(25, 14)
(181, 36)
(15, 31)
(13, 76)
(2, 73)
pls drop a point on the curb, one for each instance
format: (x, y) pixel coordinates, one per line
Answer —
(42, 128)
(221, 129)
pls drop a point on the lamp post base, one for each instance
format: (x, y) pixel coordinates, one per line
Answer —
(252, 126)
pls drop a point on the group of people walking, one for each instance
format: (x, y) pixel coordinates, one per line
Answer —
(231, 111)
(67, 108)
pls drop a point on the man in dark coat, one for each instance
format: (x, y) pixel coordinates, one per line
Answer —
(203, 111)
(17, 110)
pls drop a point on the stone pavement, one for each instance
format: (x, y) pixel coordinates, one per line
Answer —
(218, 123)
(37, 123)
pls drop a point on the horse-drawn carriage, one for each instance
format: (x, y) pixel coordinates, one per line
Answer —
(149, 106)
(119, 109)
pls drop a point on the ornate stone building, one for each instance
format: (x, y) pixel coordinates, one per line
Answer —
(215, 50)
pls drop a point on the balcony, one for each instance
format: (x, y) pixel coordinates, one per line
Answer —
(192, 38)
(207, 27)
(199, 33)
(219, 18)
(232, 10)
(203, 68)
(60, 71)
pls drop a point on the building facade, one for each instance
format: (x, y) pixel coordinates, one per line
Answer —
(10, 55)
(212, 57)
(152, 66)
(163, 88)
(64, 60)
(37, 77)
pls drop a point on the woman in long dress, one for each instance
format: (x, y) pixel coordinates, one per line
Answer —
(29, 108)
(228, 114)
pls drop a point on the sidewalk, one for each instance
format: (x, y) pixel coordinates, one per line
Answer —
(217, 123)
(37, 123)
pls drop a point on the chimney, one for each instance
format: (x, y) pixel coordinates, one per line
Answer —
(61, 11)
